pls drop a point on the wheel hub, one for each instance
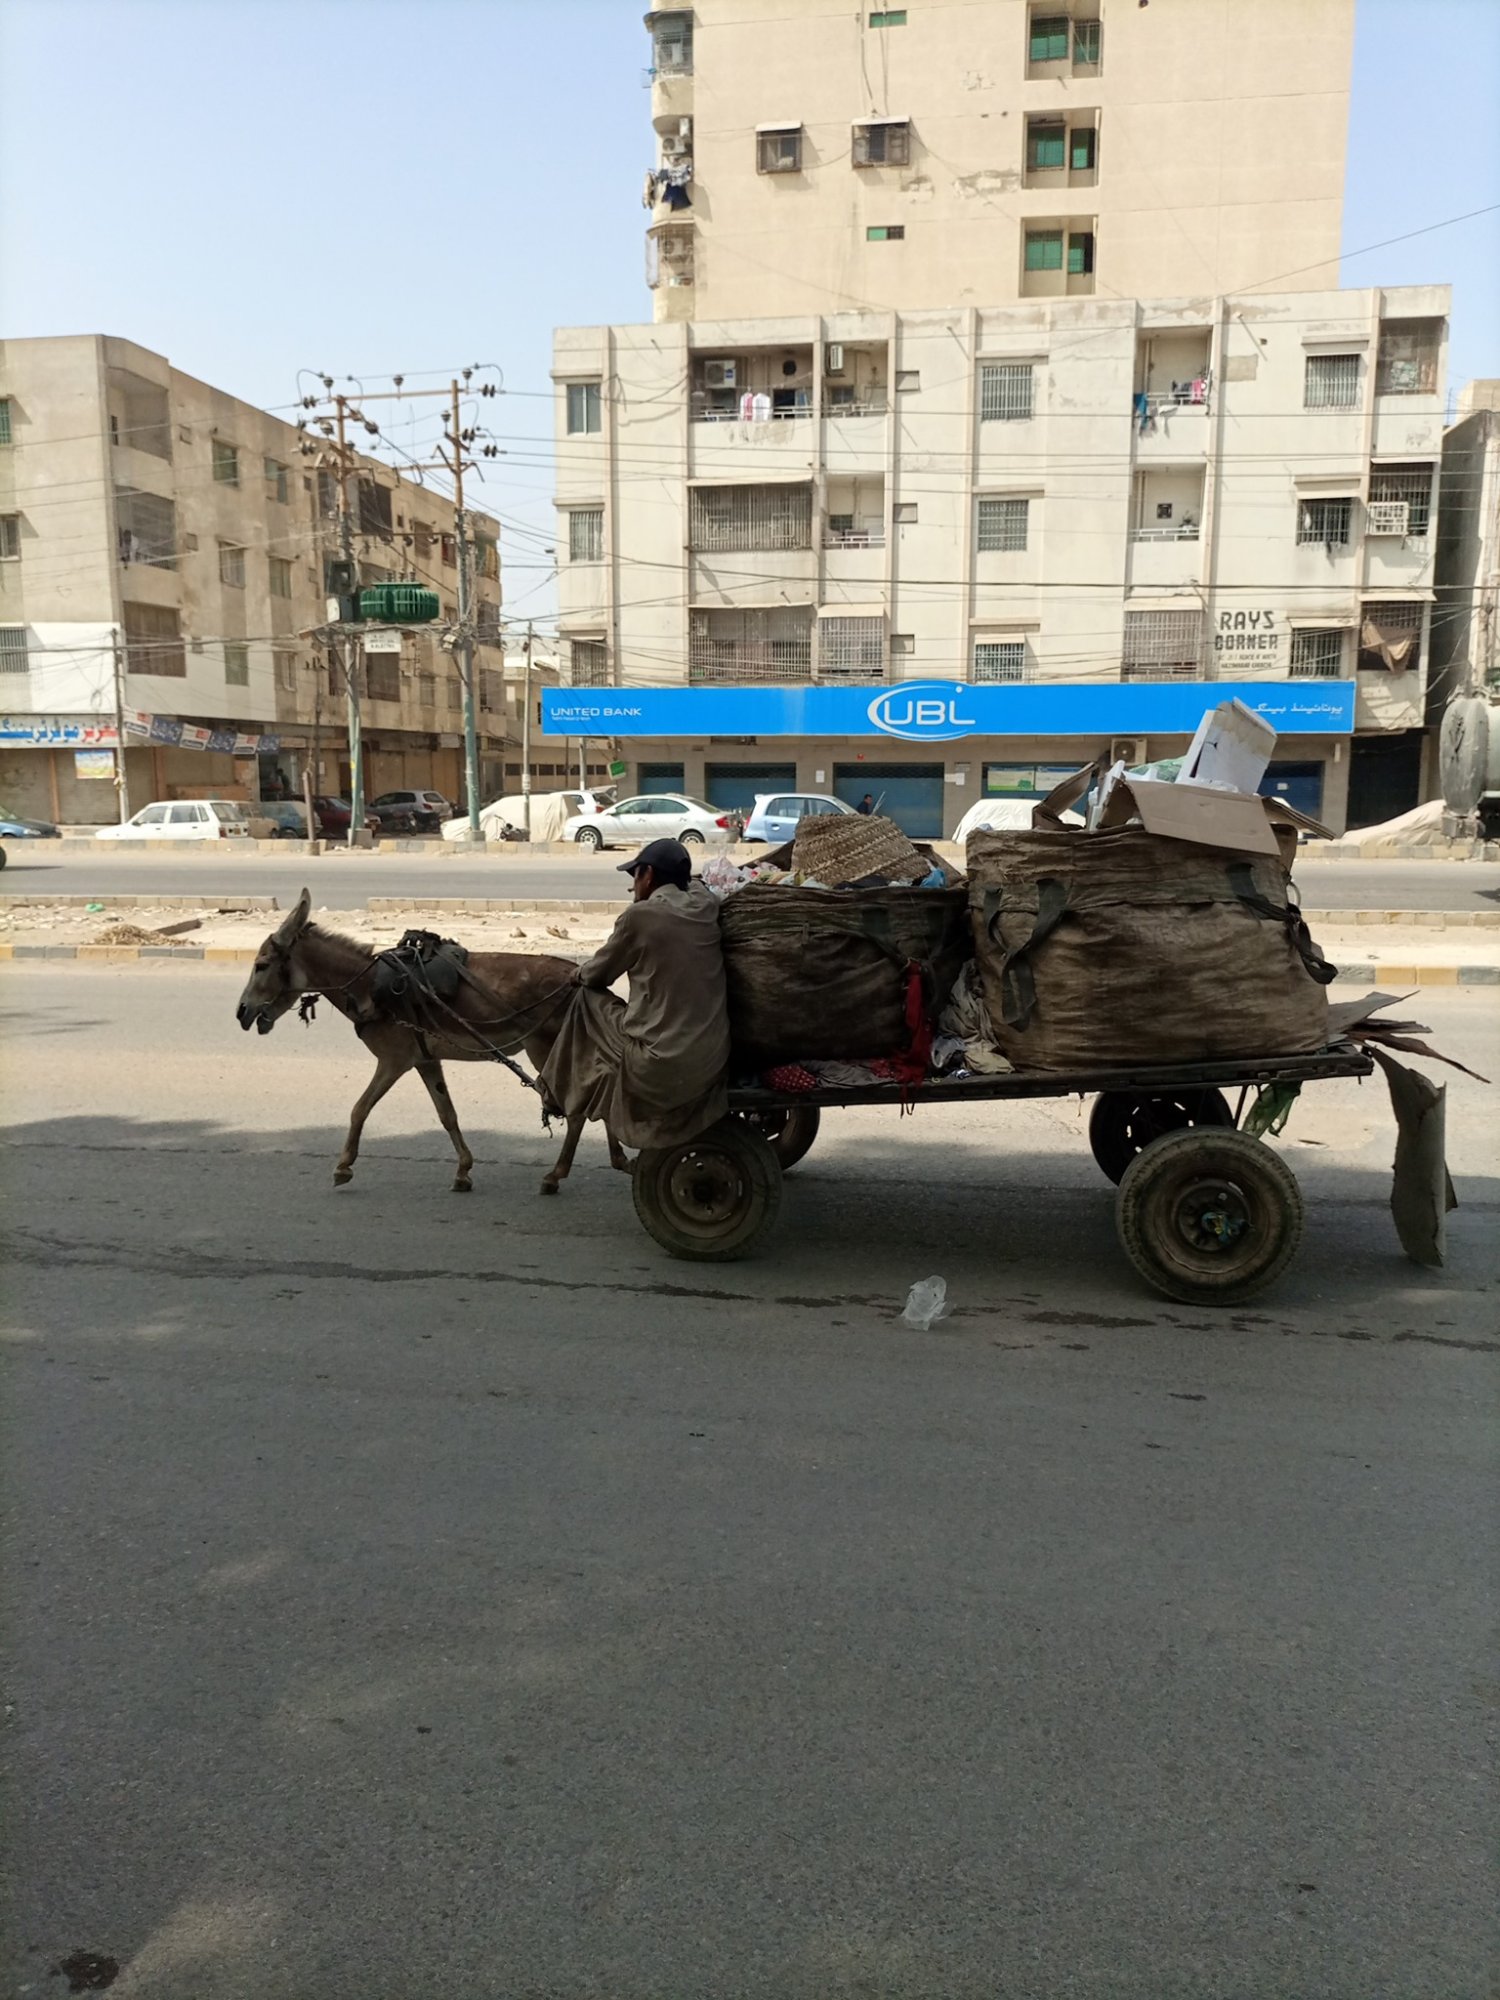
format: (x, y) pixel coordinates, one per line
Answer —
(705, 1187)
(1213, 1216)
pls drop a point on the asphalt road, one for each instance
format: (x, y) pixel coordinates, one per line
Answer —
(415, 1595)
(344, 880)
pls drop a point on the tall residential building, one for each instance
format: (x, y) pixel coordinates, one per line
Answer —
(1094, 516)
(161, 531)
(809, 159)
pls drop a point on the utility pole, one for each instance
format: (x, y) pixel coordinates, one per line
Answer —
(464, 648)
(350, 640)
(122, 785)
(526, 740)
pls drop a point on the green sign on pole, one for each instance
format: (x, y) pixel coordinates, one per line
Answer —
(617, 770)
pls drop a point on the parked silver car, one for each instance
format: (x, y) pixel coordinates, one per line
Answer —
(657, 816)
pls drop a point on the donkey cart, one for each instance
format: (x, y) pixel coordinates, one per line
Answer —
(1207, 1213)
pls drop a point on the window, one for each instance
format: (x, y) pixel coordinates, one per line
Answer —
(236, 664)
(779, 151)
(1044, 250)
(232, 565)
(672, 44)
(1407, 364)
(12, 649)
(1004, 391)
(1000, 660)
(889, 17)
(285, 665)
(145, 528)
(226, 460)
(908, 381)
(383, 676)
(487, 558)
(727, 518)
(583, 408)
(421, 540)
(153, 641)
(1080, 252)
(277, 487)
(281, 576)
(1390, 637)
(1401, 500)
(1330, 522)
(1083, 149)
(588, 663)
(426, 690)
(1316, 655)
(1002, 524)
(586, 534)
(903, 642)
(10, 538)
(1331, 382)
(1162, 645)
(1049, 38)
(904, 513)
(887, 144)
(1046, 145)
(5, 423)
(851, 649)
(1087, 37)
(886, 232)
(771, 643)
(448, 549)
(491, 691)
(328, 494)
(374, 507)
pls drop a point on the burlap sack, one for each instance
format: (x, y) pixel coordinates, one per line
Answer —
(1098, 949)
(821, 973)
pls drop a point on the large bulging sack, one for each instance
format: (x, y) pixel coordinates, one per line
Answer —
(1125, 947)
(822, 973)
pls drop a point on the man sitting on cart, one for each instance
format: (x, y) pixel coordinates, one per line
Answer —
(653, 1067)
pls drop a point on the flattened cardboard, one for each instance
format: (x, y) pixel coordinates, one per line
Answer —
(1231, 749)
(1236, 820)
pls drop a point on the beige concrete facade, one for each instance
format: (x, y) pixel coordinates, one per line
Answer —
(816, 158)
(1202, 489)
(144, 505)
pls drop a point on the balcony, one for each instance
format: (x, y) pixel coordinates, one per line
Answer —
(671, 71)
(728, 648)
(671, 261)
(1062, 150)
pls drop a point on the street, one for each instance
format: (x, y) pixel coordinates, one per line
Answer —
(344, 880)
(416, 1595)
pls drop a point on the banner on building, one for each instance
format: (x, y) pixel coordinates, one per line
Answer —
(168, 731)
(933, 712)
(94, 764)
(62, 732)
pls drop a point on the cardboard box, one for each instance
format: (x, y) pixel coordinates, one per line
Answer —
(1231, 749)
(1197, 813)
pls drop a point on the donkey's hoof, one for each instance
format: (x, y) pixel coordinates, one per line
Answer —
(549, 1187)
(342, 1176)
(463, 1187)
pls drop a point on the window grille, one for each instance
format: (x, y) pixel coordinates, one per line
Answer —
(1005, 391)
(1044, 249)
(5, 421)
(779, 152)
(13, 649)
(1390, 624)
(1162, 645)
(1002, 524)
(1331, 382)
(583, 409)
(851, 649)
(281, 577)
(1000, 660)
(1411, 484)
(277, 487)
(226, 463)
(884, 145)
(1330, 522)
(153, 641)
(1087, 36)
(231, 565)
(374, 508)
(1046, 145)
(10, 537)
(1407, 364)
(236, 665)
(588, 663)
(672, 45)
(286, 671)
(146, 527)
(728, 518)
(383, 676)
(1316, 655)
(773, 643)
(586, 534)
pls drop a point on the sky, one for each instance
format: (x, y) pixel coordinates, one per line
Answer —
(360, 187)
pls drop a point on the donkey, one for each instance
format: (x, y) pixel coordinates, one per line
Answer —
(518, 1004)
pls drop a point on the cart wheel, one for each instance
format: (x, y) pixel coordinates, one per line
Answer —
(1208, 1217)
(790, 1131)
(713, 1199)
(1123, 1123)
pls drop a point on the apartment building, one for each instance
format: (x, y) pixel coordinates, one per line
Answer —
(939, 554)
(162, 533)
(806, 159)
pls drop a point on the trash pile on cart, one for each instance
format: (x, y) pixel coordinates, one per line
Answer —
(1150, 957)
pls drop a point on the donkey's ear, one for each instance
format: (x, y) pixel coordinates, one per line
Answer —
(295, 921)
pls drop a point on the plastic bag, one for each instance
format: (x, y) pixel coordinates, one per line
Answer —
(926, 1302)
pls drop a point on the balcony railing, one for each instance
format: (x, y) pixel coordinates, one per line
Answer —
(1186, 531)
(854, 538)
(735, 416)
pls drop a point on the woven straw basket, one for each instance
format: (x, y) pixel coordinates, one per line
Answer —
(838, 848)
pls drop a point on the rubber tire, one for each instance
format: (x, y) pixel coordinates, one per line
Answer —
(692, 839)
(790, 1133)
(588, 836)
(4, 857)
(749, 1156)
(1147, 1216)
(1112, 1141)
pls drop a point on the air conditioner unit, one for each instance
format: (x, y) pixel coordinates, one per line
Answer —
(1128, 750)
(673, 148)
(834, 357)
(1387, 517)
(719, 374)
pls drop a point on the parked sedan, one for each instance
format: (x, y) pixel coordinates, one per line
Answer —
(183, 819)
(775, 815)
(414, 812)
(12, 828)
(658, 816)
(282, 818)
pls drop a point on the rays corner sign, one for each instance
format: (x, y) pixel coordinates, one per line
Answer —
(944, 711)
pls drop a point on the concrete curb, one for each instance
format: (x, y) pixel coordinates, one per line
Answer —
(229, 906)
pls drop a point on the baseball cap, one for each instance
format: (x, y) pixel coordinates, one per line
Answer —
(667, 857)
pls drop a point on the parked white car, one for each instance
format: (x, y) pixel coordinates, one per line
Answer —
(1004, 816)
(656, 816)
(184, 819)
(549, 811)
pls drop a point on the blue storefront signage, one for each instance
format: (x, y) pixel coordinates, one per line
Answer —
(943, 711)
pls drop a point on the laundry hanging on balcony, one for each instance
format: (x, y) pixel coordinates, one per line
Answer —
(1390, 642)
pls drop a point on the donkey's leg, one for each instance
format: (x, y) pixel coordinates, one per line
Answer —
(431, 1074)
(389, 1070)
(559, 1173)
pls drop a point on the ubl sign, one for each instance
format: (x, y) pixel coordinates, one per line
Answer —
(924, 712)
